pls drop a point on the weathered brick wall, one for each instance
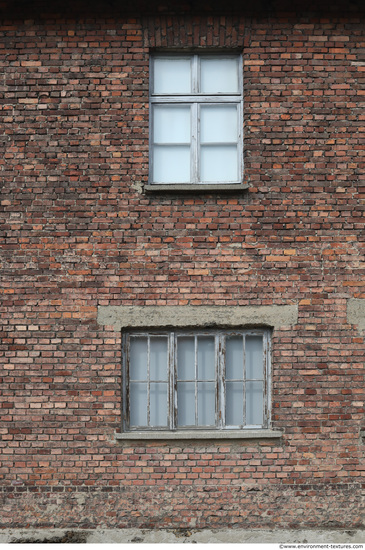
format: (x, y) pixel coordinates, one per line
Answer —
(78, 231)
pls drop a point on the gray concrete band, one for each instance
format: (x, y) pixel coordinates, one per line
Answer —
(197, 316)
(231, 535)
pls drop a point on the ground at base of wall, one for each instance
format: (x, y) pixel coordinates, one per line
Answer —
(182, 536)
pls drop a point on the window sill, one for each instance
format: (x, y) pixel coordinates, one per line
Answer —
(200, 434)
(192, 187)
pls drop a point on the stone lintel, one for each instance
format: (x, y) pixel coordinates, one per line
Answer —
(129, 317)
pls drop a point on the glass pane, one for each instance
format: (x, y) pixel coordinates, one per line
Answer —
(138, 404)
(254, 357)
(158, 404)
(138, 359)
(234, 358)
(172, 76)
(186, 358)
(171, 124)
(254, 403)
(218, 123)
(171, 164)
(206, 403)
(186, 404)
(219, 75)
(219, 163)
(234, 403)
(206, 358)
(158, 359)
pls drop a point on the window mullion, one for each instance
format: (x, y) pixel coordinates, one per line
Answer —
(220, 381)
(194, 122)
(244, 379)
(148, 381)
(266, 381)
(126, 393)
(195, 74)
(240, 140)
(194, 142)
(172, 383)
(196, 378)
(233, 99)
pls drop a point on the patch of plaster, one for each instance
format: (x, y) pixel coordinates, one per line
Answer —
(137, 186)
(356, 312)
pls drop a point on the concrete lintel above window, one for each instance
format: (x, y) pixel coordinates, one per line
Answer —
(199, 434)
(130, 317)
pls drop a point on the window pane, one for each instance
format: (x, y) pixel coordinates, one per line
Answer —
(254, 403)
(158, 359)
(219, 75)
(171, 124)
(234, 358)
(254, 357)
(234, 403)
(219, 163)
(138, 403)
(138, 359)
(158, 404)
(186, 404)
(172, 75)
(206, 358)
(171, 164)
(186, 358)
(218, 124)
(206, 403)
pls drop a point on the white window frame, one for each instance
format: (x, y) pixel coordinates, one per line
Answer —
(196, 99)
(220, 338)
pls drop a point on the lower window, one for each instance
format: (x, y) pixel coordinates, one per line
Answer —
(180, 380)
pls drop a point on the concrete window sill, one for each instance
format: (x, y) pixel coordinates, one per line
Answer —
(200, 188)
(199, 434)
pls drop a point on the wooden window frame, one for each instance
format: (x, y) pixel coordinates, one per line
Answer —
(220, 339)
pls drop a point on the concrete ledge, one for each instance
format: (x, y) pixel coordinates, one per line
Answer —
(196, 188)
(200, 434)
(197, 316)
(356, 312)
(188, 535)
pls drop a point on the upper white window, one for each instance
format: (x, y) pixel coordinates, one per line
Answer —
(196, 119)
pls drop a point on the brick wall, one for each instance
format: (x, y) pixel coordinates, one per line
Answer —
(78, 231)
